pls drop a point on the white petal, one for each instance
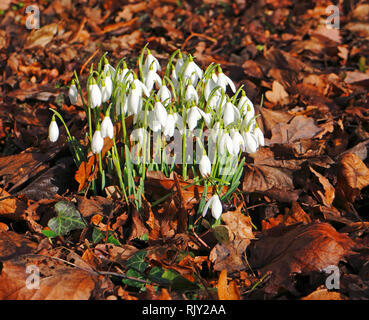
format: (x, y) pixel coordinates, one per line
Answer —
(97, 142)
(53, 131)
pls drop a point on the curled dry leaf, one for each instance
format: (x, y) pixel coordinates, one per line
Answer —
(13, 244)
(57, 283)
(230, 255)
(227, 291)
(297, 249)
(353, 175)
(326, 196)
(324, 294)
(278, 94)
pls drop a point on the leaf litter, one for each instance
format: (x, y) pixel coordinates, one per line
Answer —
(303, 202)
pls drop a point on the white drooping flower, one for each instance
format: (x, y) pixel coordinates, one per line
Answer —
(164, 94)
(107, 128)
(151, 63)
(151, 78)
(231, 114)
(238, 141)
(179, 123)
(108, 67)
(123, 75)
(153, 121)
(139, 135)
(117, 104)
(97, 142)
(251, 144)
(160, 114)
(191, 94)
(216, 207)
(178, 67)
(193, 116)
(192, 72)
(226, 144)
(258, 134)
(141, 87)
(224, 80)
(246, 106)
(106, 88)
(216, 132)
(170, 125)
(94, 94)
(53, 131)
(73, 93)
(209, 87)
(134, 101)
(207, 117)
(205, 166)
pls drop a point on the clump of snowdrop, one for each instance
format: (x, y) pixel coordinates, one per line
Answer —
(161, 105)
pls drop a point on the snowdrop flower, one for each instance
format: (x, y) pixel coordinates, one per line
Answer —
(224, 80)
(205, 166)
(151, 63)
(160, 113)
(97, 142)
(246, 106)
(216, 131)
(108, 67)
(258, 134)
(134, 100)
(141, 87)
(178, 67)
(209, 87)
(231, 114)
(117, 104)
(193, 116)
(226, 144)
(94, 94)
(179, 122)
(153, 121)
(53, 130)
(123, 72)
(170, 125)
(238, 141)
(251, 144)
(73, 93)
(107, 128)
(207, 117)
(106, 88)
(192, 72)
(174, 78)
(139, 135)
(216, 207)
(151, 78)
(164, 94)
(191, 94)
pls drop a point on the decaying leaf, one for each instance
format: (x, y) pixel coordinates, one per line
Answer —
(353, 175)
(227, 291)
(297, 249)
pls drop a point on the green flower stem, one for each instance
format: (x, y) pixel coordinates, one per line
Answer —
(118, 169)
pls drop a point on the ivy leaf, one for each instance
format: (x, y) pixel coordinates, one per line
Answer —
(137, 261)
(68, 218)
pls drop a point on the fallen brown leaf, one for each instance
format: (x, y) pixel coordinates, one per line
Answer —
(227, 291)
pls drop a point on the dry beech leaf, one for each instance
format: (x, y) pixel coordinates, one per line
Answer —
(227, 291)
(278, 95)
(13, 244)
(229, 255)
(300, 127)
(324, 294)
(297, 249)
(353, 175)
(41, 37)
(327, 195)
(57, 283)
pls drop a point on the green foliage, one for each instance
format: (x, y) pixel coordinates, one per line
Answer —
(67, 219)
